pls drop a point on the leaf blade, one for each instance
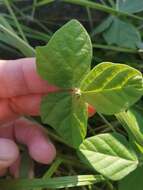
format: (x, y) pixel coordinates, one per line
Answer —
(130, 6)
(132, 121)
(67, 114)
(122, 34)
(112, 88)
(68, 52)
(109, 154)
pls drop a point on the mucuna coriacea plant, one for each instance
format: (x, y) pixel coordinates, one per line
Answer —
(111, 88)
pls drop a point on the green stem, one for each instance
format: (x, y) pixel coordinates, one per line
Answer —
(89, 18)
(103, 2)
(110, 186)
(15, 20)
(111, 3)
(69, 160)
(114, 48)
(29, 18)
(106, 121)
(44, 2)
(53, 168)
(33, 8)
(103, 8)
(26, 49)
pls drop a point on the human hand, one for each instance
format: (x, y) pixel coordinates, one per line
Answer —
(21, 90)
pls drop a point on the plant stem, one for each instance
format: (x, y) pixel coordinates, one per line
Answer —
(110, 186)
(15, 20)
(114, 48)
(103, 2)
(26, 49)
(89, 18)
(69, 160)
(33, 8)
(111, 3)
(29, 18)
(103, 8)
(106, 121)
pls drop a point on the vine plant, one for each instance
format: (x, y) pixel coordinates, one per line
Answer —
(111, 88)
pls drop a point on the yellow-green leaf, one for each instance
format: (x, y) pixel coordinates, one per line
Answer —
(109, 154)
(112, 87)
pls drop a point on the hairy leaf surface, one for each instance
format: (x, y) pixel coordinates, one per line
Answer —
(109, 154)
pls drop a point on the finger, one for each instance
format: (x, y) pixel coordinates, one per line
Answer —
(19, 77)
(6, 131)
(8, 153)
(26, 105)
(11, 109)
(39, 146)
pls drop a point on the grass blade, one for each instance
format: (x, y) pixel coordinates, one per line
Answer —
(15, 20)
(17, 42)
(53, 183)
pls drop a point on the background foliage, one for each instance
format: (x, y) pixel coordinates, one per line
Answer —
(115, 28)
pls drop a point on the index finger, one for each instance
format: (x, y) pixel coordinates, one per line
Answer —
(19, 77)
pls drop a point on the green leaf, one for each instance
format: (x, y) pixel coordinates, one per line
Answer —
(122, 34)
(67, 114)
(52, 183)
(112, 88)
(66, 59)
(133, 181)
(132, 121)
(109, 154)
(103, 26)
(130, 6)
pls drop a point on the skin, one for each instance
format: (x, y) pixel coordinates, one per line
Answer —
(21, 90)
